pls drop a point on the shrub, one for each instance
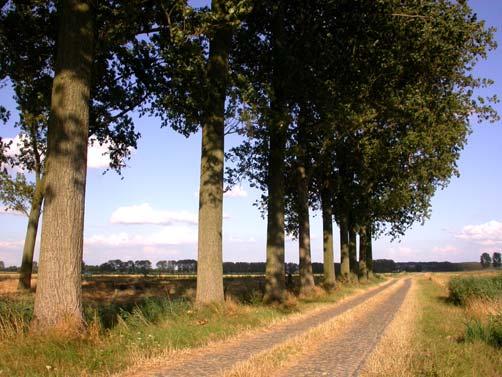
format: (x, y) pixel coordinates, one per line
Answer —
(491, 332)
(463, 289)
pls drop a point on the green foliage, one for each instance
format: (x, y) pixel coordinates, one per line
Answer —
(497, 260)
(485, 260)
(461, 289)
(489, 332)
(16, 192)
(437, 346)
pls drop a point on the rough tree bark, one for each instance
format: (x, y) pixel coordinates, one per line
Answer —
(58, 299)
(363, 247)
(275, 271)
(31, 236)
(353, 250)
(210, 259)
(344, 249)
(369, 251)
(275, 282)
(33, 218)
(306, 276)
(327, 230)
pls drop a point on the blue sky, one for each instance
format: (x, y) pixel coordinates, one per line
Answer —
(151, 213)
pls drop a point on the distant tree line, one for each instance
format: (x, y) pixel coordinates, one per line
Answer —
(144, 267)
(189, 266)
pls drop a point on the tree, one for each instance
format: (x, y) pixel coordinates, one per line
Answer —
(21, 196)
(496, 260)
(2, 265)
(143, 266)
(162, 265)
(210, 253)
(486, 260)
(58, 295)
(114, 92)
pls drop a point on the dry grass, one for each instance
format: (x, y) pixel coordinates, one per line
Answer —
(142, 366)
(286, 354)
(480, 309)
(393, 355)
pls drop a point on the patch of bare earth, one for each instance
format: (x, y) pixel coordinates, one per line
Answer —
(221, 356)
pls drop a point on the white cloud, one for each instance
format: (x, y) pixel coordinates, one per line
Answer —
(5, 211)
(398, 252)
(13, 151)
(173, 235)
(145, 214)
(449, 249)
(235, 239)
(98, 156)
(489, 233)
(11, 244)
(236, 192)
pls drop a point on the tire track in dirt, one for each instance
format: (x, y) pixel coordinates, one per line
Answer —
(216, 361)
(346, 353)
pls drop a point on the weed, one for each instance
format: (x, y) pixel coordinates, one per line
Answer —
(462, 289)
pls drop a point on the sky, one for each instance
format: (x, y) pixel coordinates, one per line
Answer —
(151, 212)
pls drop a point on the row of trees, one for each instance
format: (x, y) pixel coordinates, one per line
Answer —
(358, 109)
(487, 261)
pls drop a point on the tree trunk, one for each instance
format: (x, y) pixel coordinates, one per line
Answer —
(363, 247)
(327, 230)
(353, 251)
(275, 281)
(369, 251)
(275, 272)
(58, 300)
(210, 259)
(31, 236)
(344, 250)
(306, 275)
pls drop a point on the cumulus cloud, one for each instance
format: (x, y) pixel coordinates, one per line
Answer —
(14, 150)
(145, 214)
(173, 235)
(449, 249)
(401, 251)
(236, 192)
(11, 244)
(235, 239)
(489, 233)
(97, 155)
(5, 211)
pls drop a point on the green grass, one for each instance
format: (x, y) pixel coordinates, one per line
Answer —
(489, 332)
(119, 335)
(441, 348)
(462, 289)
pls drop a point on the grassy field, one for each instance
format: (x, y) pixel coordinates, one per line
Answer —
(133, 320)
(443, 348)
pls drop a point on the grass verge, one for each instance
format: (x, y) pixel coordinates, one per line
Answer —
(119, 337)
(440, 347)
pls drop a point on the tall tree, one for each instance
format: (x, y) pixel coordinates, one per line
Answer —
(327, 230)
(486, 260)
(58, 296)
(363, 250)
(210, 257)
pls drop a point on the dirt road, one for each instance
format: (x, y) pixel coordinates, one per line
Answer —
(340, 354)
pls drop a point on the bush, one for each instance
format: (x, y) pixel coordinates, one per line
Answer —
(491, 332)
(466, 288)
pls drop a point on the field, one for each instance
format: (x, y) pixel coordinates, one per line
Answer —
(448, 325)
